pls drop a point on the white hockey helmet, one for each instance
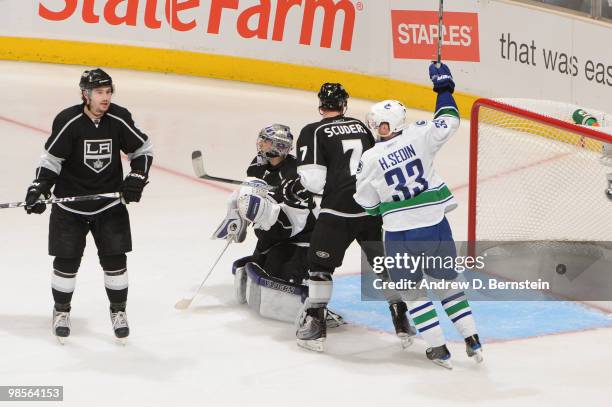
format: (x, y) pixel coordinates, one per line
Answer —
(391, 112)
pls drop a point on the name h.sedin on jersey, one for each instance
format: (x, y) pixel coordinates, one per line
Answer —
(396, 157)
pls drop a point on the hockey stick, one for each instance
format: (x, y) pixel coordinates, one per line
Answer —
(197, 161)
(186, 302)
(61, 200)
(440, 26)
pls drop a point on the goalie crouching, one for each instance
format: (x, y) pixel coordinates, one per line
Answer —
(272, 281)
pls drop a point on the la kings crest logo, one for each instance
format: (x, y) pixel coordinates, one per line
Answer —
(98, 154)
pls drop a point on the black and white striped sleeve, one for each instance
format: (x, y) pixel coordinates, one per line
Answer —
(57, 149)
(135, 143)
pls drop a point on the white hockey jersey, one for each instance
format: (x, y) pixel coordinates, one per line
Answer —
(396, 179)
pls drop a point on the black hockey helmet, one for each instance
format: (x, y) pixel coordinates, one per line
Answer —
(95, 78)
(332, 96)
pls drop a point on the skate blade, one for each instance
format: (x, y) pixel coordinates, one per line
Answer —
(61, 339)
(477, 356)
(444, 363)
(406, 341)
(316, 345)
(334, 323)
(121, 341)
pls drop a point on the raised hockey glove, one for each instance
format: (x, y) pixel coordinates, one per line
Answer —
(36, 191)
(441, 78)
(293, 192)
(132, 186)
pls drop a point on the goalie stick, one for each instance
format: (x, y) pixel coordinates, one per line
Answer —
(61, 200)
(197, 160)
(186, 302)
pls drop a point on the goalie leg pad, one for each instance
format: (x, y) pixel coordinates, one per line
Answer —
(271, 297)
(240, 278)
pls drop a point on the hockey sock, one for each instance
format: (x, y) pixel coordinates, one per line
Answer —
(63, 281)
(425, 319)
(459, 311)
(115, 280)
(320, 287)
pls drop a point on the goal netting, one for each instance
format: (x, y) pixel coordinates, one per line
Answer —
(538, 204)
(535, 175)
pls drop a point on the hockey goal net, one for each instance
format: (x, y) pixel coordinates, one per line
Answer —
(536, 176)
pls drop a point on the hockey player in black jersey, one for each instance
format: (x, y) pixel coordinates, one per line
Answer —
(82, 157)
(328, 155)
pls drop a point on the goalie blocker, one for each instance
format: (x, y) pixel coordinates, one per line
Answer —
(269, 296)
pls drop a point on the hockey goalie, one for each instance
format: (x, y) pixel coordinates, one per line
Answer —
(272, 281)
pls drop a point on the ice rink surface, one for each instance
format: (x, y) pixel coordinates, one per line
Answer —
(218, 353)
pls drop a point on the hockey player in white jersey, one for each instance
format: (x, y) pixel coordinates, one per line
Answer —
(396, 180)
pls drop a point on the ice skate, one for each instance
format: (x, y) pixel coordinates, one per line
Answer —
(61, 325)
(474, 348)
(334, 320)
(120, 325)
(312, 329)
(403, 329)
(440, 356)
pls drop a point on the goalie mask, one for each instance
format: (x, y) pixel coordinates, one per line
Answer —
(274, 141)
(391, 112)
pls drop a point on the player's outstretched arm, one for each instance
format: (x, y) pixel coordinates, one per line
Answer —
(446, 116)
(444, 86)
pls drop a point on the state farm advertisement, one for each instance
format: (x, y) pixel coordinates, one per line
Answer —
(252, 19)
(415, 35)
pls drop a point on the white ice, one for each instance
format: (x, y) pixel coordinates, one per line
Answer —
(218, 353)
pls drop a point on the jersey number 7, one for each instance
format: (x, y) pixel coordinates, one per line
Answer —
(397, 177)
(356, 148)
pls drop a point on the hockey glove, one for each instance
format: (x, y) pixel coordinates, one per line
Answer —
(37, 190)
(132, 186)
(293, 192)
(441, 78)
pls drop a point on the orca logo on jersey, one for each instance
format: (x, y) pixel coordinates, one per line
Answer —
(97, 154)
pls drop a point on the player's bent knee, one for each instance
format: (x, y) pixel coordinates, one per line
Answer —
(67, 265)
(113, 263)
(271, 297)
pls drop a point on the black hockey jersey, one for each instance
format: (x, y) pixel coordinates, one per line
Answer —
(328, 156)
(282, 229)
(83, 157)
